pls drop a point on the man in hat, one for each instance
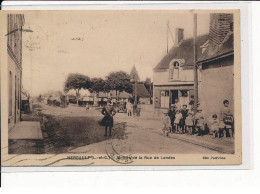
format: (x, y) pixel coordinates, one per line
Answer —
(108, 111)
(171, 114)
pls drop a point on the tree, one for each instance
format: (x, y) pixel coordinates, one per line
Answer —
(97, 85)
(149, 86)
(76, 81)
(118, 81)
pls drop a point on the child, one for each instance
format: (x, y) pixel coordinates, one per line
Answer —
(167, 126)
(214, 127)
(129, 108)
(178, 117)
(199, 118)
(189, 122)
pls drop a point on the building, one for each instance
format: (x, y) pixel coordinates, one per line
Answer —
(143, 96)
(216, 66)
(173, 77)
(14, 50)
(122, 96)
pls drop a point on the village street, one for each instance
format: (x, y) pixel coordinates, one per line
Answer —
(141, 134)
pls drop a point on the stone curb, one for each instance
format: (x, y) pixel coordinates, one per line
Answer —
(213, 146)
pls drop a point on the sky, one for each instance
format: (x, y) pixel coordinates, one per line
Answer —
(96, 43)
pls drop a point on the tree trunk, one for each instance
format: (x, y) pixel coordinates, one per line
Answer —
(116, 96)
(77, 97)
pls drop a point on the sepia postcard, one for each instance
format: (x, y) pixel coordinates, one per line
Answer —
(120, 88)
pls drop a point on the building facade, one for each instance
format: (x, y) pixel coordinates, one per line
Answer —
(14, 49)
(173, 77)
(216, 66)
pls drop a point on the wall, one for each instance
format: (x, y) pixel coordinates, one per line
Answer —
(217, 85)
(161, 77)
(15, 72)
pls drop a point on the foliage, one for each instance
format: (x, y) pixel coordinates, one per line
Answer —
(77, 82)
(97, 85)
(118, 81)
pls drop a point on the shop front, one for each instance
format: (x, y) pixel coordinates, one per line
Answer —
(166, 96)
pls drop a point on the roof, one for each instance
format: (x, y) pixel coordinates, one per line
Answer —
(183, 51)
(102, 95)
(121, 94)
(226, 47)
(141, 91)
(134, 74)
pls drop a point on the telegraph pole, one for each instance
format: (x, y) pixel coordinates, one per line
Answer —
(167, 36)
(195, 62)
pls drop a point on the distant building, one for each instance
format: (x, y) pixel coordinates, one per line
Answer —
(143, 95)
(134, 75)
(14, 50)
(217, 66)
(173, 77)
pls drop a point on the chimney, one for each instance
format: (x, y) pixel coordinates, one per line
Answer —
(179, 36)
(220, 25)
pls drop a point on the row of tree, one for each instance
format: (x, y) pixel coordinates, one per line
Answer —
(118, 81)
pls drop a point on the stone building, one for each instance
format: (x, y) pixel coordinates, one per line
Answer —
(173, 77)
(14, 49)
(216, 66)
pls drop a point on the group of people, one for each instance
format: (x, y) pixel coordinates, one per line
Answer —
(131, 107)
(183, 121)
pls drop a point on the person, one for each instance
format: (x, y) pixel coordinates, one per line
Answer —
(129, 108)
(87, 106)
(189, 122)
(177, 119)
(167, 125)
(199, 119)
(226, 120)
(177, 104)
(108, 111)
(171, 114)
(214, 126)
(184, 112)
(138, 109)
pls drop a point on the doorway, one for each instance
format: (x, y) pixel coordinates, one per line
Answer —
(174, 96)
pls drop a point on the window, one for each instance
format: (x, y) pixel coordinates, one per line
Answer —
(174, 70)
(10, 93)
(184, 93)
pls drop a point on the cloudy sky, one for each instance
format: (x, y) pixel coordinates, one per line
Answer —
(97, 42)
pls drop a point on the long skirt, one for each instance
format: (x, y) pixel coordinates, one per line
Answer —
(107, 121)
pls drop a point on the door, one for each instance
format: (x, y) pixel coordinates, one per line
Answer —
(165, 99)
(174, 96)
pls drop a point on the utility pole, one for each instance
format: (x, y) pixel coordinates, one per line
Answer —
(167, 36)
(195, 62)
(135, 94)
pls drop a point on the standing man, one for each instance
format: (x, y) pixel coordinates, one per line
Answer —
(171, 114)
(184, 113)
(108, 111)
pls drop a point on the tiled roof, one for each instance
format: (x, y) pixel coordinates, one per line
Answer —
(183, 51)
(141, 91)
(227, 46)
(121, 94)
